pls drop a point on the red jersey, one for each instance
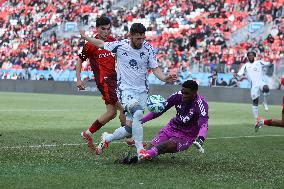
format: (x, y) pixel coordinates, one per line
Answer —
(102, 61)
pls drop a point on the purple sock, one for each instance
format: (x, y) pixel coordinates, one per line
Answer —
(153, 151)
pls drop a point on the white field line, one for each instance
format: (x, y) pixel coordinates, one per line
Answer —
(119, 142)
(39, 110)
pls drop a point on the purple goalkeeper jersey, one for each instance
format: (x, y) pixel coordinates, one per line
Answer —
(190, 116)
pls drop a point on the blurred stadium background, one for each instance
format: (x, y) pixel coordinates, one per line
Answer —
(40, 146)
(194, 39)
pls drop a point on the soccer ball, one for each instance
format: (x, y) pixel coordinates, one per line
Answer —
(156, 103)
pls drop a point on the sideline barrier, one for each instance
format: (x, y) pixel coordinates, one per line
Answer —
(217, 94)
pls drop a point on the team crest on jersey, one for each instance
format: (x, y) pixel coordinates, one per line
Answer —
(133, 64)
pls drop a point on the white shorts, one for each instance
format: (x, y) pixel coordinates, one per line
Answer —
(255, 91)
(128, 98)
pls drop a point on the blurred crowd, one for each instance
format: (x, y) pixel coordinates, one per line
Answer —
(188, 35)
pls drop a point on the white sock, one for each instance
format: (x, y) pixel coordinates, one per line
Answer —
(255, 111)
(118, 134)
(88, 132)
(265, 95)
(137, 130)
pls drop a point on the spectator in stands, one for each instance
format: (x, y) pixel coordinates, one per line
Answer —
(213, 79)
(41, 77)
(234, 80)
(270, 39)
(24, 42)
(20, 76)
(50, 78)
(222, 83)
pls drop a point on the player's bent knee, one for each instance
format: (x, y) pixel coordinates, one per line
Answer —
(255, 102)
(113, 115)
(138, 114)
(265, 89)
(171, 146)
(137, 111)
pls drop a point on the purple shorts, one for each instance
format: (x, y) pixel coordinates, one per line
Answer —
(183, 142)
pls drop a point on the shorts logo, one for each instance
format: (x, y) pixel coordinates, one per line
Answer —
(185, 119)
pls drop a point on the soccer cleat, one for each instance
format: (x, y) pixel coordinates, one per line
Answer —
(129, 159)
(102, 145)
(198, 144)
(259, 123)
(131, 143)
(88, 140)
(143, 155)
(265, 107)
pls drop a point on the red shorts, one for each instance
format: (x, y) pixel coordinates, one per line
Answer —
(108, 90)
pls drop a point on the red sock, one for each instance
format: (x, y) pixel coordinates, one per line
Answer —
(268, 122)
(95, 126)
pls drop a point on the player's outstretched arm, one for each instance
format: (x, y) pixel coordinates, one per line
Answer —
(151, 115)
(97, 42)
(169, 79)
(269, 64)
(80, 84)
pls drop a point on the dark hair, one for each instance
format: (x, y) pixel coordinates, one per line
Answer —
(137, 28)
(102, 21)
(190, 84)
(251, 52)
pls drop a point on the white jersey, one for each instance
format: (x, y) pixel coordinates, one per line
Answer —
(132, 64)
(254, 72)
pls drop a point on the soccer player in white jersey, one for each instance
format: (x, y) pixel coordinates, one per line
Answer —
(253, 69)
(134, 57)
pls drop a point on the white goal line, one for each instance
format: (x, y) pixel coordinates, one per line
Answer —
(119, 142)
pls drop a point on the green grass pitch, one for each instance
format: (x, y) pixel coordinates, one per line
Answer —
(231, 160)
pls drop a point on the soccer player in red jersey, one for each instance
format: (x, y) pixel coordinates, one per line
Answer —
(102, 63)
(271, 122)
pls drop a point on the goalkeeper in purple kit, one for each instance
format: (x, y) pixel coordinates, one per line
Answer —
(189, 126)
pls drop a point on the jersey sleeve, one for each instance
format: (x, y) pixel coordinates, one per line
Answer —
(83, 53)
(264, 63)
(242, 70)
(113, 46)
(203, 113)
(153, 63)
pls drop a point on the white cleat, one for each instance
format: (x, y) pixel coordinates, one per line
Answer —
(102, 145)
(259, 124)
(199, 147)
(143, 155)
(265, 107)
